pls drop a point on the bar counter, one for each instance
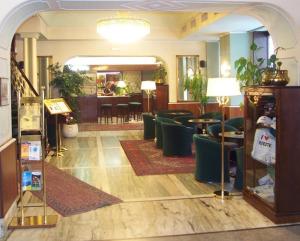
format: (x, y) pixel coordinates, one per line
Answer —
(89, 106)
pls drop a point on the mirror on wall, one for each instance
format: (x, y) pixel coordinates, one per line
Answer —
(187, 66)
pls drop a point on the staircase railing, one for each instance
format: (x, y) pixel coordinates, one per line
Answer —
(20, 82)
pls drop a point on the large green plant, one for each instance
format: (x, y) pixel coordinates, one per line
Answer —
(248, 72)
(197, 87)
(160, 74)
(69, 84)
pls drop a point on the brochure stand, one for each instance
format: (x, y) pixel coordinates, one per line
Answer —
(57, 107)
(31, 143)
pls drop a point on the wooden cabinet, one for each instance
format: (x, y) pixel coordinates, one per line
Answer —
(272, 147)
(8, 176)
(161, 97)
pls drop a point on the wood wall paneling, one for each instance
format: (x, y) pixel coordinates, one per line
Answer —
(88, 108)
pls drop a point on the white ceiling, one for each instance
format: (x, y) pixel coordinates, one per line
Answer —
(163, 23)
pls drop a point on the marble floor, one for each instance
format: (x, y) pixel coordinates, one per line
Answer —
(153, 207)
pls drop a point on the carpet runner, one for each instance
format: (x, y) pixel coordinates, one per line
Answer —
(67, 195)
(146, 159)
(110, 127)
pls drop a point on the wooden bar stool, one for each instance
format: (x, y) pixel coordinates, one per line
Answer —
(122, 112)
(106, 112)
(135, 110)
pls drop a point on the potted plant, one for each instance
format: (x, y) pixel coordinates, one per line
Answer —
(197, 87)
(248, 72)
(70, 127)
(273, 74)
(69, 84)
(160, 74)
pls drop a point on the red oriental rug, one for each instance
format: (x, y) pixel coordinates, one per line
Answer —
(68, 195)
(110, 127)
(146, 159)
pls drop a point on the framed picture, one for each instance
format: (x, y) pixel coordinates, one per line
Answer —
(4, 91)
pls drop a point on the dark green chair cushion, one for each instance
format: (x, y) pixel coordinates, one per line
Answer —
(208, 160)
(177, 139)
(237, 122)
(215, 129)
(238, 183)
(184, 120)
(158, 130)
(149, 126)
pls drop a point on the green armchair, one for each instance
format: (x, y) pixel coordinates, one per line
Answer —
(158, 130)
(177, 139)
(237, 122)
(149, 126)
(208, 160)
(214, 130)
(184, 120)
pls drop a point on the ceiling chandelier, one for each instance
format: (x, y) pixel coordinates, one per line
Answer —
(123, 30)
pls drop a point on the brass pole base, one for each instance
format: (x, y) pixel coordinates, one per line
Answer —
(58, 154)
(62, 148)
(218, 194)
(41, 221)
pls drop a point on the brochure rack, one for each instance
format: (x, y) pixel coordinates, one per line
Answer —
(31, 144)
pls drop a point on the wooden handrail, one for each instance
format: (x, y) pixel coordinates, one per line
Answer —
(24, 76)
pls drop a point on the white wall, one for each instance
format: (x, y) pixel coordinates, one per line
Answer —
(63, 50)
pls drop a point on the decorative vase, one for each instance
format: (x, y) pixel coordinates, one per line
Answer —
(70, 130)
(159, 81)
(278, 77)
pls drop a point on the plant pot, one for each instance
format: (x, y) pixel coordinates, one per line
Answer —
(70, 130)
(278, 77)
(159, 81)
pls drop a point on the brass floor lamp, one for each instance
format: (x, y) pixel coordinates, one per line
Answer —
(148, 86)
(222, 89)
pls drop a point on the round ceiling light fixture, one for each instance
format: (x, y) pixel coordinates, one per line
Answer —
(123, 30)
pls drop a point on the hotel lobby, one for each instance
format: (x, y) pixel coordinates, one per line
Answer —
(117, 169)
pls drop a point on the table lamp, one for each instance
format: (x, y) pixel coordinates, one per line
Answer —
(122, 85)
(222, 88)
(148, 86)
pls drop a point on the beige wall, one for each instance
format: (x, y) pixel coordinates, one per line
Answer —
(167, 50)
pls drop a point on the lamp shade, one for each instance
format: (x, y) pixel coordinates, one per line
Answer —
(223, 87)
(148, 85)
(121, 84)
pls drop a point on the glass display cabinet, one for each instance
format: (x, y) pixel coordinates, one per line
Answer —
(272, 147)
